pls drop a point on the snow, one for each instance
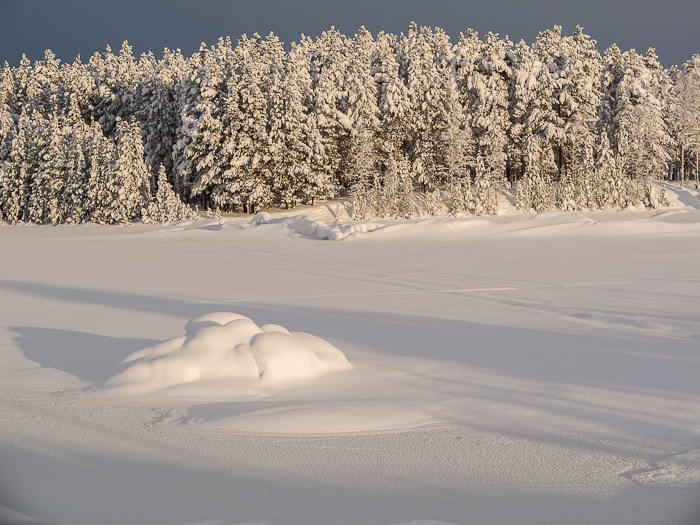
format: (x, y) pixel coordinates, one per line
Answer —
(510, 369)
(228, 346)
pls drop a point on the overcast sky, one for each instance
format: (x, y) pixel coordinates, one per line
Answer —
(72, 27)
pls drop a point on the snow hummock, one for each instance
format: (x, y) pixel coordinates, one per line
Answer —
(229, 346)
(313, 228)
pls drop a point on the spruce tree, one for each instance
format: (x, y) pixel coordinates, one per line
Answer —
(166, 206)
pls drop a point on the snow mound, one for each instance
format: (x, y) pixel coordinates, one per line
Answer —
(260, 218)
(229, 346)
(309, 227)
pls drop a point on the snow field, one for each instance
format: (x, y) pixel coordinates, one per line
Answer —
(511, 369)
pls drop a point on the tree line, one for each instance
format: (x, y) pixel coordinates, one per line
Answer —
(404, 124)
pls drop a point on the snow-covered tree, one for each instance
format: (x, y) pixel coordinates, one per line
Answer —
(252, 125)
(532, 129)
(157, 110)
(166, 206)
(16, 171)
(390, 197)
(201, 154)
(329, 62)
(361, 113)
(115, 78)
(122, 188)
(433, 94)
(393, 99)
(246, 181)
(483, 77)
(635, 108)
(47, 183)
(7, 122)
(686, 113)
(76, 153)
(299, 171)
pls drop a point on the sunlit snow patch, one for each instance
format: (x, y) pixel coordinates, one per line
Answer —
(680, 469)
(229, 346)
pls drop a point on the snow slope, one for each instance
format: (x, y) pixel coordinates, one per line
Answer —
(514, 369)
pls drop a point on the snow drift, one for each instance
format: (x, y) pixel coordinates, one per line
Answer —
(229, 346)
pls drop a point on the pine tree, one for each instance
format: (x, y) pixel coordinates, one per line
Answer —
(202, 154)
(296, 154)
(433, 94)
(7, 129)
(97, 205)
(47, 183)
(120, 186)
(166, 206)
(483, 77)
(532, 129)
(536, 191)
(395, 198)
(579, 105)
(246, 180)
(365, 172)
(686, 113)
(459, 163)
(394, 103)
(157, 110)
(115, 78)
(362, 112)
(76, 175)
(329, 62)
(15, 191)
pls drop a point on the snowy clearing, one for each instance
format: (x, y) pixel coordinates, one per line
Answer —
(511, 369)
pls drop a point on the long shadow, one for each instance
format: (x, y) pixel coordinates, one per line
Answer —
(688, 198)
(623, 360)
(628, 362)
(110, 298)
(90, 357)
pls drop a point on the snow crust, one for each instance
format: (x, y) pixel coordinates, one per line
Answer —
(229, 346)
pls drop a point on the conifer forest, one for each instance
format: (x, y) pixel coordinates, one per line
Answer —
(407, 125)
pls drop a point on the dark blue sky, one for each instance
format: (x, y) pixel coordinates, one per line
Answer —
(72, 27)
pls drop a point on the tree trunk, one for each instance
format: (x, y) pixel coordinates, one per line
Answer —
(682, 163)
(560, 154)
(541, 161)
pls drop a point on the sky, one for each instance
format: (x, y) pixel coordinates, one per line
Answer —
(79, 27)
